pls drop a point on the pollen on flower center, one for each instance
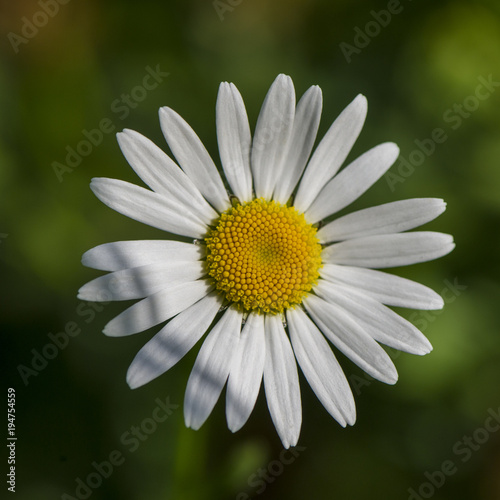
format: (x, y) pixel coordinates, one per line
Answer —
(263, 256)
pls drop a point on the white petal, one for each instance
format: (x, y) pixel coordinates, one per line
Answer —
(320, 367)
(389, 250)
(348, 336)
(281, 382)
(380, 322)
(157, 308)
(353, 181)
(193, 158)
(173, 341)
(331, 152)
(386, 288)
(140, 282)
(273, 129)
(211, 369)
(126, 254)
(162, 174)
(389, 218)
(305, 128)
(234, 140)
(148, 207)
(246, 372)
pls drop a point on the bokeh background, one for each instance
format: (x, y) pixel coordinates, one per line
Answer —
(423, 69)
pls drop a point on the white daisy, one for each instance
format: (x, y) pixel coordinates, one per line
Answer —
(267, 284)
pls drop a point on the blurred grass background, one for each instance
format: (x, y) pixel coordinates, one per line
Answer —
(418, 72)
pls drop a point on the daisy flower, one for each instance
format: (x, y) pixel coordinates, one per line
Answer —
(272, 286)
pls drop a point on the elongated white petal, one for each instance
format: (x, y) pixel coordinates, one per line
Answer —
(157, 308)
(173, 341)
(211, 369)
(126, 254)
(162, 174)
(234, 140)
(281, 383)
(320, 367)
(380, 322)
(246, 372)
(273, 129)
(389, 218)
(331, 152)
(348, 336)
(305, 128)
(389, 250)
(353, 181)
(140, 282)
(148, 207)
(193, 158)
(386, 288)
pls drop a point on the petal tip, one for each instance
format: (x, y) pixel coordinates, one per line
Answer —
(361, 101)
(165, 111)
(192, 425)
(225, 87)
(284, 81)
(110, 331)
(96, 182)
(234, 426)
(127, 134)
(440, 206)
(437, 303)
(392, 148)
(352, 420)
(133, 381)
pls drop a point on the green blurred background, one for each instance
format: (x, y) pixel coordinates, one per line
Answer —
(420, 72)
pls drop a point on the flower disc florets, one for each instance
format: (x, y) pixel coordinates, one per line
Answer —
(263, 256)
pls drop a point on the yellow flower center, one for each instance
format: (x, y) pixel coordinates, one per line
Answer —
(263, 256)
